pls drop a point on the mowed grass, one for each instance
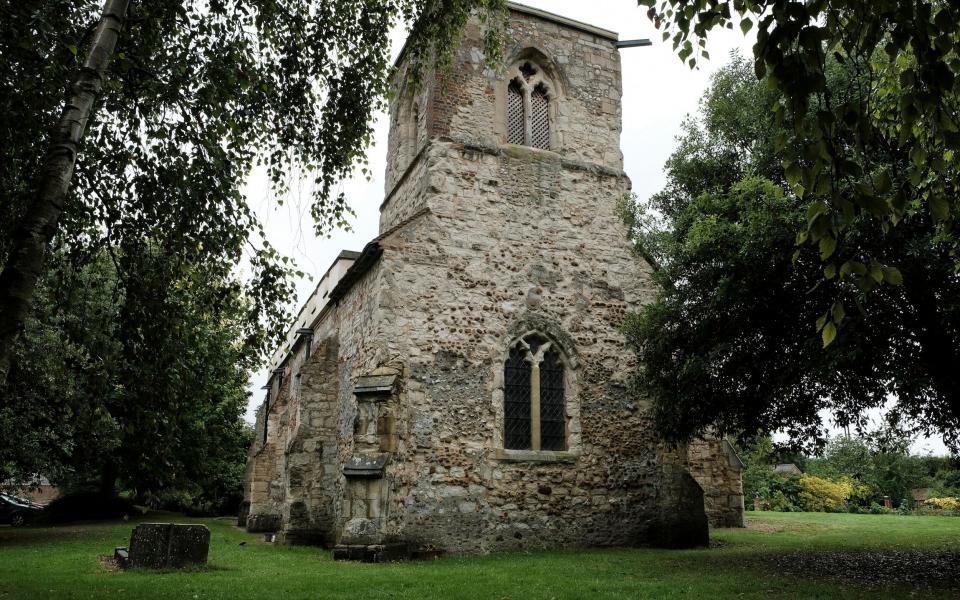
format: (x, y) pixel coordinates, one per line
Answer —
(62, 562)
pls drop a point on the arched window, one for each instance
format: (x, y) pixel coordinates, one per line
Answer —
(528, 107)
(534, 396)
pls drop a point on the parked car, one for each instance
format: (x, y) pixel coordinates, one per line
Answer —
(17, 511)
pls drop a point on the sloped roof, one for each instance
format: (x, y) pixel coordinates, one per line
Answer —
(369, 257)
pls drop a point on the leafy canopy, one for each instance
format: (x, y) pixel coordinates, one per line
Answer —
(198, 95)
(906, 99)
(730, 341)
(103, 392)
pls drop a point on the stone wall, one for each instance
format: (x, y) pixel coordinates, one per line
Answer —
(516, 241)
(716, 467)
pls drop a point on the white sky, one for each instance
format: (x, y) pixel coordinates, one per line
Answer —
(658, 92)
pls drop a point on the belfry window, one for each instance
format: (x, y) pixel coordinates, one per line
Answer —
(528, 108)
(533, 396)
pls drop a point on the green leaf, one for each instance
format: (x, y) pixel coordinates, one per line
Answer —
(822, 321)
(919, 156)
(779, 141)
(815, 209)
(746, 25)
(892, 276)
(852, 267)
(881, 182)
(838, 313)
(829, 334)
(939, 207)
(828, 245)
(792, 172)
(830, 271)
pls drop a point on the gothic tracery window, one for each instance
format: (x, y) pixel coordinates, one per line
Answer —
(528, 108)
(534, 396)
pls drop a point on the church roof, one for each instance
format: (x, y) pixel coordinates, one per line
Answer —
(362, 262)
(369, 257)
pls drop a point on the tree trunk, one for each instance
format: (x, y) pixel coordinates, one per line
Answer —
(40, 219)
(108, 477)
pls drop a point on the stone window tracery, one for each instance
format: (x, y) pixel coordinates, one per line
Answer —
(528, 107)
(534, 396)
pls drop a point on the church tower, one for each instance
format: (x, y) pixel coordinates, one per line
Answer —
(463, 383)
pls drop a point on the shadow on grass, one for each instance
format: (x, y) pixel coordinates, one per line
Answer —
(932, 569)
(46, 534)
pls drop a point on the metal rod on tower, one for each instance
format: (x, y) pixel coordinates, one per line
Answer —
(634, 43)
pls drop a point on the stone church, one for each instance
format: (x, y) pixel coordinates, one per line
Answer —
(461, 385)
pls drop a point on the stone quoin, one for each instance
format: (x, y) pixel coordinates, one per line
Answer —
(462, 384)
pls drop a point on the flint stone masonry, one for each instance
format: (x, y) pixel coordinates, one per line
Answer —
(168, 546)
(384, 429)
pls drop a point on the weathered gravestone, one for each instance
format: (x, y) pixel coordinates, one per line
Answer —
(168, 545)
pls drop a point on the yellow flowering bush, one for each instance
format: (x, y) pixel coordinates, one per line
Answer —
(819, 494)
(944, 503)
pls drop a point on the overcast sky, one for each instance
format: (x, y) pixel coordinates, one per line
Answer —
(658, 92)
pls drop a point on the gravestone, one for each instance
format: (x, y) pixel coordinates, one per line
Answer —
(168, 545)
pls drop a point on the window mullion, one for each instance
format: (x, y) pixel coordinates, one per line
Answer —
(527, 116)
(535, 406)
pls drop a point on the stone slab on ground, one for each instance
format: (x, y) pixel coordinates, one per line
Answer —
(168, 545)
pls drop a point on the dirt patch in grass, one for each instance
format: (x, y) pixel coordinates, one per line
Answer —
(777, 527)
(930, 569)
(108, 563)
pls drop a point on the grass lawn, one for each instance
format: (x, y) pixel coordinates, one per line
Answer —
(62, 562)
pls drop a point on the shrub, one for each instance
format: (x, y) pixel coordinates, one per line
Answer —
(945, 504)
(774, 491)
(819, 494)
(779, 502)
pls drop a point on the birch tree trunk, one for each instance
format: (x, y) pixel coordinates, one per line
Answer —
(40, 219)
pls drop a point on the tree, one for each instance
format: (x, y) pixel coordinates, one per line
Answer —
(39, 221)
(733, 319)
(906, 100)
(102, 394)
(844, 456)
(197, 95)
